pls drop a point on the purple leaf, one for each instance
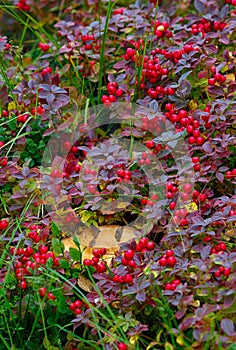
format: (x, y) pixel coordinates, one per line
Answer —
(207, 147)
(199, 6)
(229, 300)
(227, 326)
(220, 177)
(120, 64)
(180, 313)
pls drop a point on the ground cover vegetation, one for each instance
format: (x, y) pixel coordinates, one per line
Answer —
(174, 286)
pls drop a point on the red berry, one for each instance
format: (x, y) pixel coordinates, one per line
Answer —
(227, 271)
(172, 205)
(162, 261)
(195, 160)
(143, 242)
(128, 278)
(3, 161)
(202, 197)
(42, 291)
(43, 249)
(122, 346)
(128, 254)
(150, 144)
(199, 140)
(101, 267)
(87, 262)
(23, 285)
(50, 296)
(169, 252)
(171, 260)
(168, 286)
(77, 311)
(150, 245)
(3, 224)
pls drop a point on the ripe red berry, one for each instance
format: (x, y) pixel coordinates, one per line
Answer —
(128, 254)
(42, 291)
(122, 346)
(3, 161)
(101, 267)
(169, 252)
(3, 224)
(22, 284)
(172, 205)
(199, 140)
(128, 278)
(143, 242)
(195, 160)
(150, 144)
(51, 296)
(171, 260)
(202, 197)
(150, 245)
(162, 261)
(227, 271)
(43, 249)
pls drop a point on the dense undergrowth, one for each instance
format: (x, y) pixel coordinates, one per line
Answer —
(164, 165)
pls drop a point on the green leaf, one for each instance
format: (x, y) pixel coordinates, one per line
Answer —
(57, 246)
(55, 230)
(64, 263)
(75, 254)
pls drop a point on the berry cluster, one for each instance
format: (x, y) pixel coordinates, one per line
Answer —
(39, 110)
(230, 174)
(217, 77)
(29, 261)
(43, 47)
(161, 29)
(47, 70)
(154, 125)
(34, 233)
(123, 175)
(77, 307)
(218, 248)
(99, 265)
(119, 11)
(232, 2)
(87, 40)
(174, 55)
(153, 198)
(152, 71)
(183, 121)
(21, 5)
(131, 259)
(43, 293)
(204, 26)
(114, 91)
(168, 259)
(159, 91)
(172, 285)
(222, 271)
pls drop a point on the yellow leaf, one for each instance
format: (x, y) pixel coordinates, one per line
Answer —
(133, 340)
(193, 104)
(230, 76)
(196, 303)
(158, 337)
(168, 346)
(180, 340)
(191, 207)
